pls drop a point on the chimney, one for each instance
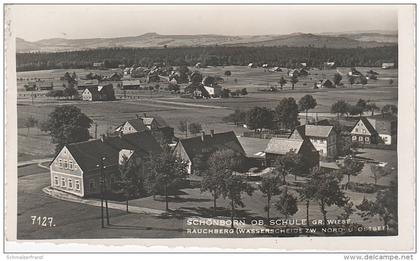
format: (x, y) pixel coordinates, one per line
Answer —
(212, 133)
(202, 135)
(103, 137)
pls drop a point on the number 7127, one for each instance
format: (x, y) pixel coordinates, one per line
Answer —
(42, 221)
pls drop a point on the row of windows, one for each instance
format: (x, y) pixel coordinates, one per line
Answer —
(67, 183)
(363, 130)
(360, 138)
(64, 164)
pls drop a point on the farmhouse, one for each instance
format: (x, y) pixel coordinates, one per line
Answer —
(324, 138)
(99, 93)
(130, 84)
(363, 132)
(162, 132)
(43, 85)
(76, 169)
(386, 126)
(325, 84)
(214, 91)
(99, 65)
(388, 65)
(197, 90)
(196, 150)
(254, 150)
(329, 65)
(275, 69)
(252, 65)
(293, 73)
(83, 84)
(278, 147)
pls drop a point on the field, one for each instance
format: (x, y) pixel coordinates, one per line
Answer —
(108, 115)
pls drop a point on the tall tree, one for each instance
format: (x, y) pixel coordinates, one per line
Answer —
(220, 165)
(287, 204)
(183, 127)
(371, 106)
(282, 82)
(259, 118)
(228, 73)
(293, 81)
(328, 192)
(340, 107)
(287, 112)
(236, 117)
(389, 108)
(195, 128)
(307, 193)
(306, 103)
(351, 167)
(29, 123)
(270, 186)
(166, 173)
(67, 124)
(337, 79)
(379, 172)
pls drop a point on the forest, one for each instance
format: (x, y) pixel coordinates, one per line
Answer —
(211, 55)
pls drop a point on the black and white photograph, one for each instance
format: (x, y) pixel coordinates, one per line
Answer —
(208, 121)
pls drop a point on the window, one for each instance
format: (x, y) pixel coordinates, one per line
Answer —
(63, 182)
(385, 138)
(70, 183)
(56, 182)
(360, 138)
(66, 166)
(364, 131)
(75, 166)
(77, 184)
(357, 129)
(367, 139)
(354, 138)
(60, 163)
(71, 164)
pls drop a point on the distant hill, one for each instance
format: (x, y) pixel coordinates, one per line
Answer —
(149, 40)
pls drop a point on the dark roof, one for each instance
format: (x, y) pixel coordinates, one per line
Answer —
(87, 82)
(225, 140)
(160, 122)
(200, 87)
(318, 130)
(137, 124)
(99, 89)
(87, 154)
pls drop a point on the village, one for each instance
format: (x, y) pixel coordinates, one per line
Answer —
(271, 132)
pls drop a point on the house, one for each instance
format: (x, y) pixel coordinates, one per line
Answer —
(275, 69)
(99, 65)
(76, 168)
(363, 132)
(99, 93)
(83, 84)
(43, 85)
(293, 73)
(114, 77)
(386, 126)
(265, 65)
(388, 65)
(254, 151)
(214, 91)
(303, 72)
(252, 65)
(162, 132)
(303, 65)
(197, 90)
(196, 150)
(325, 84)
(323, 138)
(354, 72)
(130, 84)
(329, 65)
(278, 147)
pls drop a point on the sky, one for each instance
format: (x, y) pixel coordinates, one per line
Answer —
(36, 22)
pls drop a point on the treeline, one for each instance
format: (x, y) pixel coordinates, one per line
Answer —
(212, 56)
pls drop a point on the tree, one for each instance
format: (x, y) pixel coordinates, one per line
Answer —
(389, 108)
(70, 92)
(306, 103)
(234, 186)
(220, 165)
(129, 178)
(30, 122)
(371, 106)
(259, 118)
(236, 117)
(351, 167)
(354, 110)
(270, 186)
(282, 82)
(289, 164)
(327, 191)
(362, 104)
(196, 77)
(307, 193)
(340, 107)
(195, 128)
(67, 124)
(228, 73)
(183, 127)
(225, 93)
(166, 173)
(337, 79)
(244, 92)
(286, 113)
(351, 80)
(287, 204)
(385, 205)
(378, 172)
(293, 81)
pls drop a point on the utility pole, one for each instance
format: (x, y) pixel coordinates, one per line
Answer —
(101, 166)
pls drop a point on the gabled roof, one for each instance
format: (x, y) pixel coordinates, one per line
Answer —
(200, 87)
(160, 122)
(320, 131)
(282, 146)
(225, 140)
(99, 89)
(137, 124)
(87, 82)
(88, 153)
(368, 125)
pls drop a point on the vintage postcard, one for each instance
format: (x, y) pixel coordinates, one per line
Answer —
(241, 126)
